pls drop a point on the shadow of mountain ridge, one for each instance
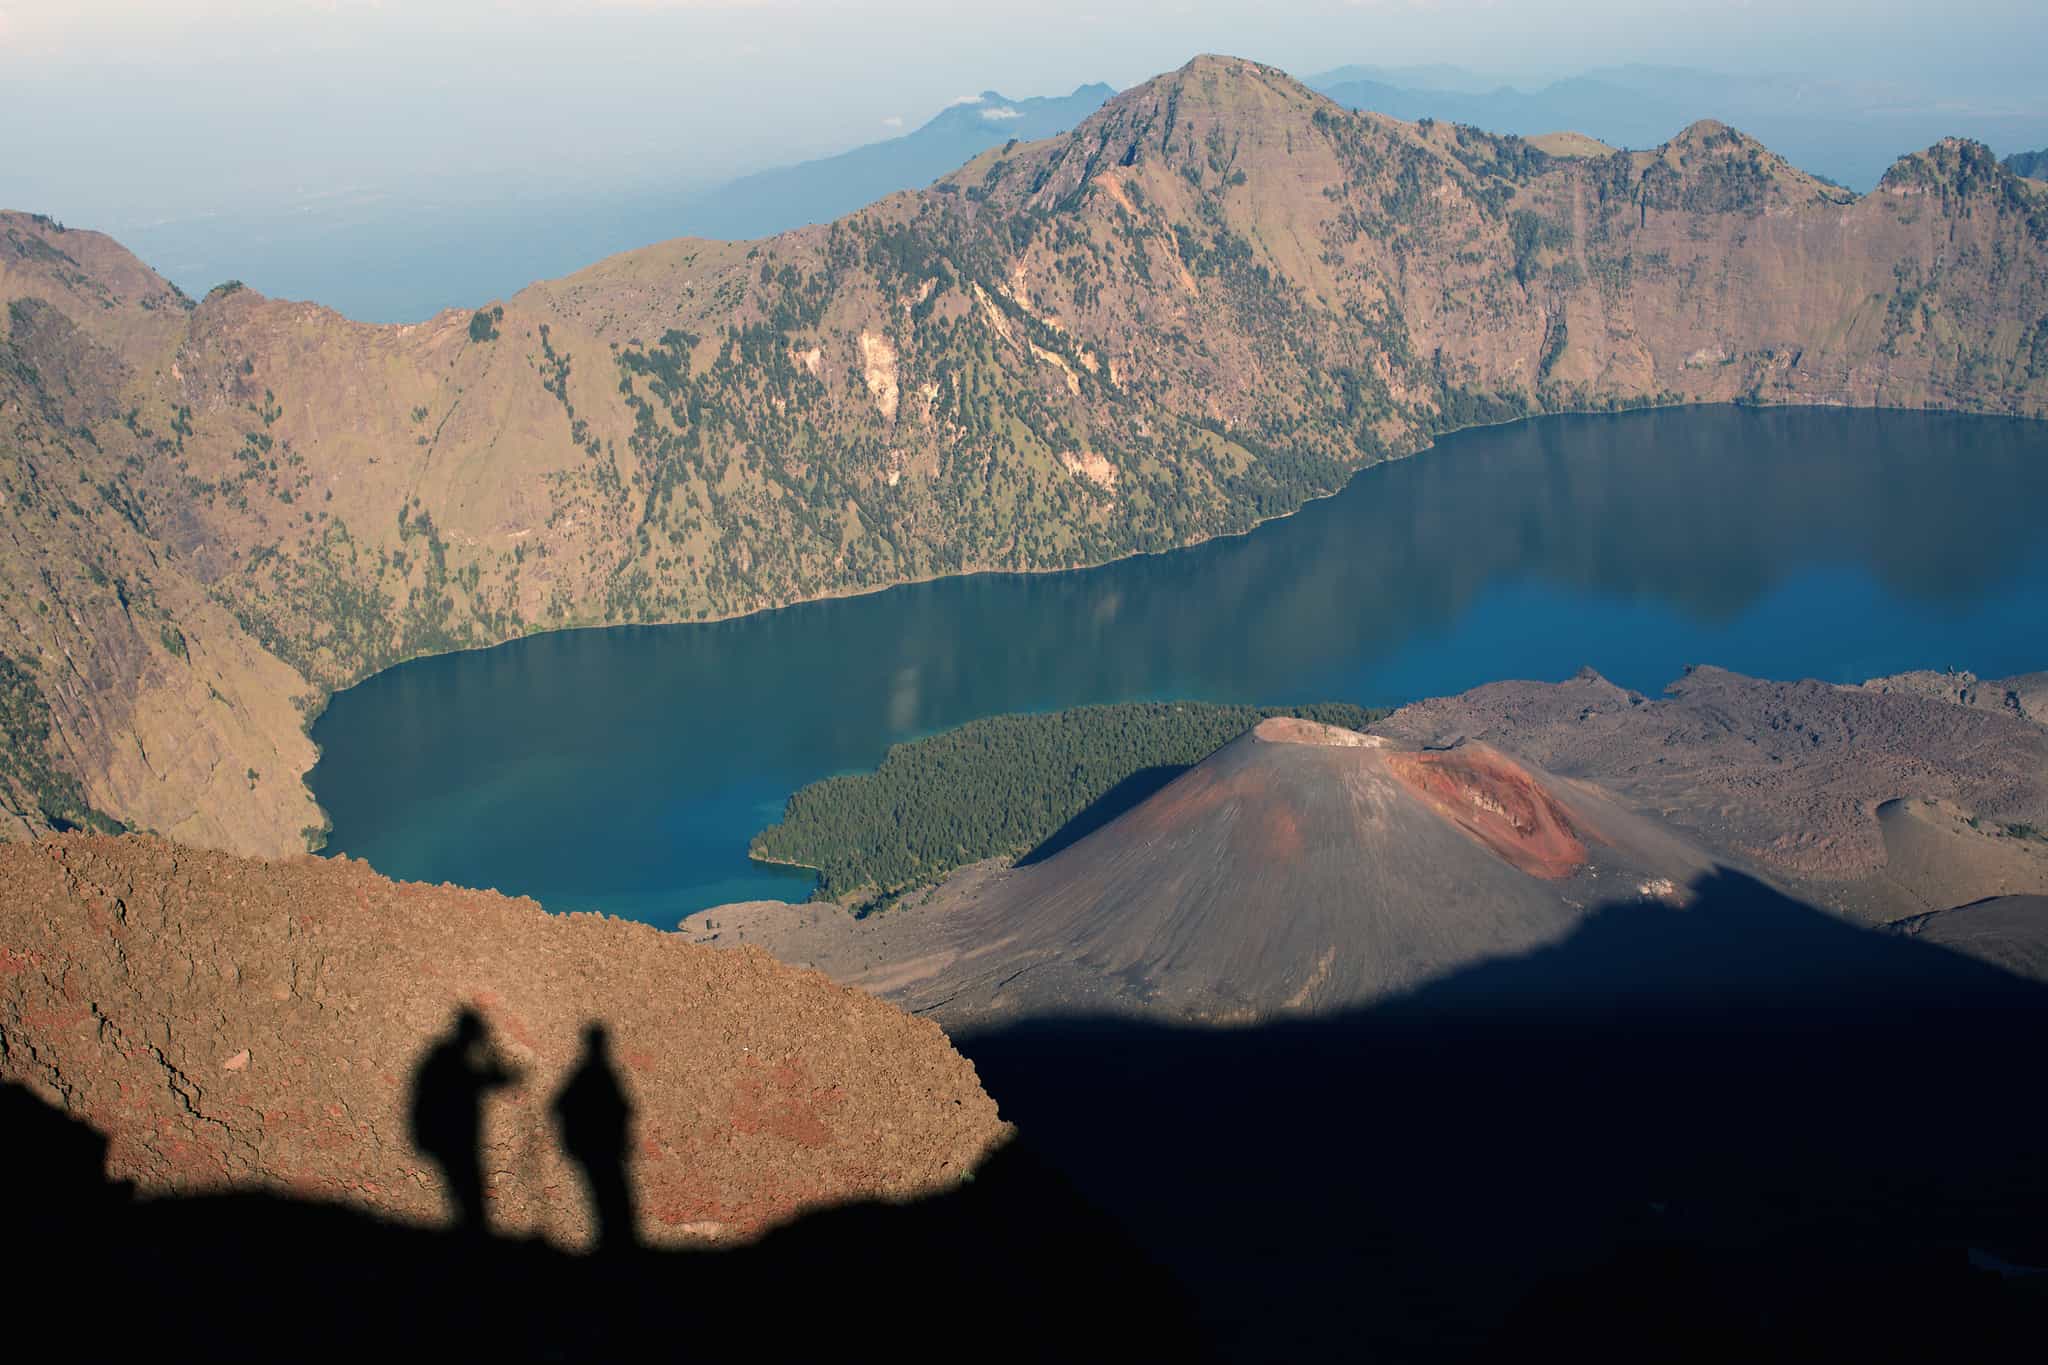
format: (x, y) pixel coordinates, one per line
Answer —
(1740, 1129)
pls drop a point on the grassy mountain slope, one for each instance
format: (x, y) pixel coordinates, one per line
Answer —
(1217, 297)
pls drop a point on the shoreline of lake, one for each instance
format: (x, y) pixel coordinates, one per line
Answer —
(1524, 549)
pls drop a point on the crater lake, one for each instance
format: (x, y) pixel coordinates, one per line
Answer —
(625, 769)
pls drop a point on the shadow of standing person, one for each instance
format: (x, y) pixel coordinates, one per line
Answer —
(594, 1117)
(448, 1090)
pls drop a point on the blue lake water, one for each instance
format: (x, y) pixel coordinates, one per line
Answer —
(625, 770)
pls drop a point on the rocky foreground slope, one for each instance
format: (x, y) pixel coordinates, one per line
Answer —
(1215, 298)
(233, 1024)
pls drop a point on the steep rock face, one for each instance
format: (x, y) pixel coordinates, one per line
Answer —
(1215, 298)
(128, 688)
(233, 1023)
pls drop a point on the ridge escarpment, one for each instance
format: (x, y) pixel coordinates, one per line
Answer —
(1216, 298)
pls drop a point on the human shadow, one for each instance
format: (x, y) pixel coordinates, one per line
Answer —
(450, 1084)
(1009, 1265)
(1105, 808)
(594, 1119)
(1738, 1130)
(60, 1164)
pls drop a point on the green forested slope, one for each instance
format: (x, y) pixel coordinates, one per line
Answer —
(999, 787)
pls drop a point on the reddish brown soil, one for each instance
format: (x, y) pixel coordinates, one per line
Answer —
(1493, 799)
(230, 1022)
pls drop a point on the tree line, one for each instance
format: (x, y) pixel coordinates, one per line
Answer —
(996, 788)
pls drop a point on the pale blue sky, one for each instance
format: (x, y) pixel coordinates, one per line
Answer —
(119, 111)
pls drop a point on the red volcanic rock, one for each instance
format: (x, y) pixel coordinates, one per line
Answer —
(1791, 777)
(1494, 799)
(228, 1022)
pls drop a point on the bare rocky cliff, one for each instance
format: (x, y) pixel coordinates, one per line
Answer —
(235, 1024)
(1216, 298)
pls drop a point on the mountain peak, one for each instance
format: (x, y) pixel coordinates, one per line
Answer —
(1955, 167)
(992, 113)
(1708, 132)
(1220, 73)
(1224, 63)
(1712, 167)
(1183, 116)
(1294, 730)
(1337, 868)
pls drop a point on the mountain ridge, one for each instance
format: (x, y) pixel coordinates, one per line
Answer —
(391, 257)
(754, 205)
(2029, 165)
(1216, 298)
(1848, 128)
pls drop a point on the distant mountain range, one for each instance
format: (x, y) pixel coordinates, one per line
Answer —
(380, 258)
(819, 191)
(1849, 133)
(2033, 165)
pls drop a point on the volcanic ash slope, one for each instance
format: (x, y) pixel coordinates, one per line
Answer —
(1300, 868)
(227, 1022)
(1882, 801)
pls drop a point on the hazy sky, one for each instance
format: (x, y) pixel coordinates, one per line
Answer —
(121, 111)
